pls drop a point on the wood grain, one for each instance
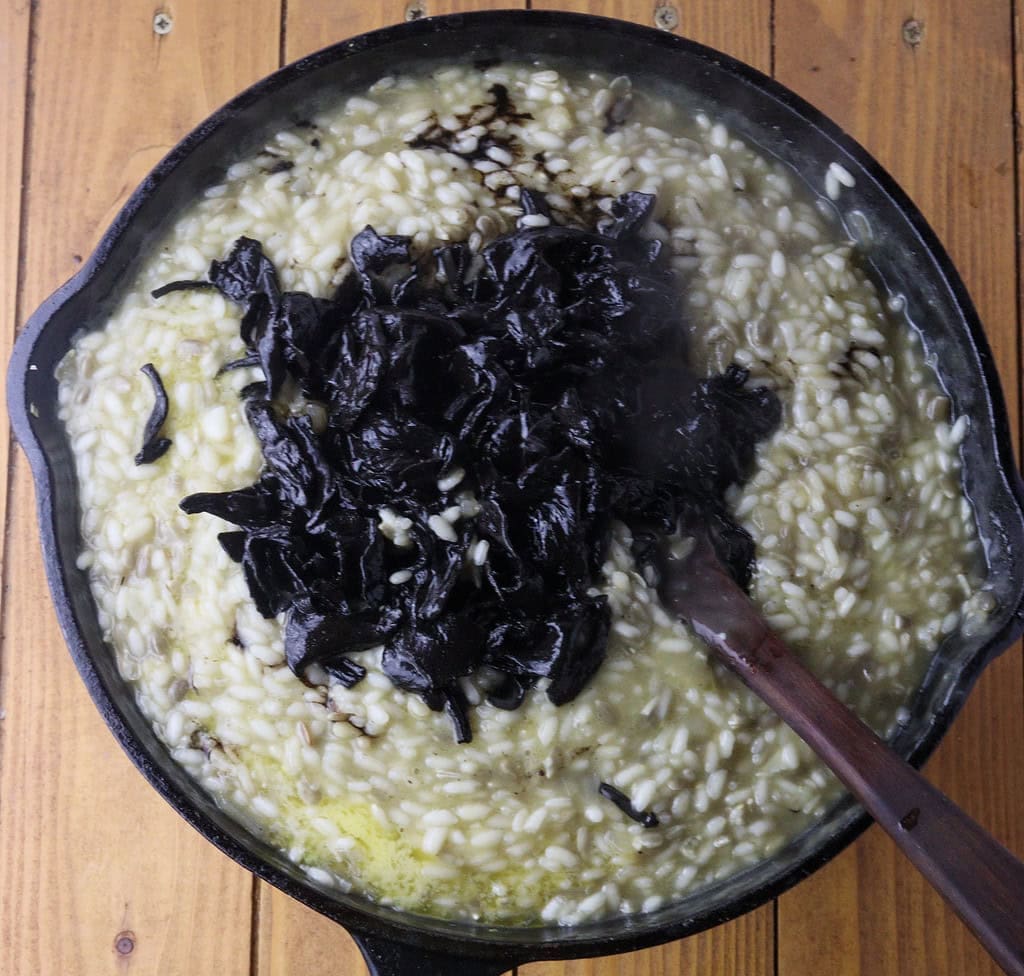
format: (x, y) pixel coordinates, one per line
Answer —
(741, 29)
(14, 73)
(740, 948)
(1018, 145)
(310, 25)
(941, 123)
(99, 875)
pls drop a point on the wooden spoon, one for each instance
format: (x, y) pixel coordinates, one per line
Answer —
(979, 878)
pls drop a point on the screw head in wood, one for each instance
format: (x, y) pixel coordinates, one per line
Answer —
(913, 32)
(666, 17)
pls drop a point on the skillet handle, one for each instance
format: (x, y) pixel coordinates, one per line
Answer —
(386, 958)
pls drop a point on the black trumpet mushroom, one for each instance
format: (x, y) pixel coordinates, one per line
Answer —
(448, 441)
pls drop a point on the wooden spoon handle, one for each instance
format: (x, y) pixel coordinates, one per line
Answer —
(979, 878)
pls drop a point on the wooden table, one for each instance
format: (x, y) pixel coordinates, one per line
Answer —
(97, 874)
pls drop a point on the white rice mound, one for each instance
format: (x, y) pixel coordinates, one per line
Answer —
(867, 554)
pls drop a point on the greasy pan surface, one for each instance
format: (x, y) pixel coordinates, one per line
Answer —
(908, 258)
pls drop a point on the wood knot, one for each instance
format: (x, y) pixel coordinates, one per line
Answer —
(913, 32)
(124, 943)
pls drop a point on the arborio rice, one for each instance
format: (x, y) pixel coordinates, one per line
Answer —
(867, 553)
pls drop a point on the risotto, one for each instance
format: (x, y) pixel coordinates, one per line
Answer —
(663, 774)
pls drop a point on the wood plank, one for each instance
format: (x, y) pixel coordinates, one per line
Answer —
(98, 872)
(745, 946)
(293, 939)
(734, 27)
(739, 948)
(941, 123)
(1018, 145)
(310, 26)
(14, 70)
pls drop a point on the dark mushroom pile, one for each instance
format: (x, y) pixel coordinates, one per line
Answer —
(503, 408)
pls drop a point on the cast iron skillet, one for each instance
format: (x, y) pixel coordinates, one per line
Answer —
(906, 257)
